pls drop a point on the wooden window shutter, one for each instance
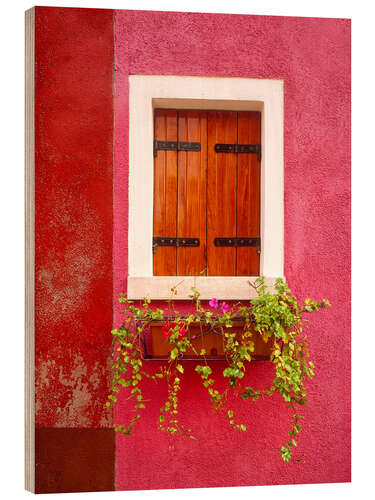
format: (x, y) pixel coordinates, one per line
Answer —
(248, 194)
(191, 193)
(180, 192)
(221, 193)
(165, 193)
(233, 192)
(203, 193)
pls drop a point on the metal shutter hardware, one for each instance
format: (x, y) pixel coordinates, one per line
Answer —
(175, 146)
(238, 242)
(164, 241)
(239, 148)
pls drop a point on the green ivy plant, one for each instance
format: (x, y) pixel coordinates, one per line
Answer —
(276, 315)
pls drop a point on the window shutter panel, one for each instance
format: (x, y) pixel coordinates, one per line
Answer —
(206, 194)
(248, 193)
(165, 193)
(221, 193)
(191, 192)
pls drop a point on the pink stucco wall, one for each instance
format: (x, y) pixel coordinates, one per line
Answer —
(312, 56)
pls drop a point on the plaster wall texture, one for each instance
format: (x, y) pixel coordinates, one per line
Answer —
(73, 216)
(312, 56)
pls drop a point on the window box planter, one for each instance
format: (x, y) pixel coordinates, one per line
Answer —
(156, 346)
(217, 331)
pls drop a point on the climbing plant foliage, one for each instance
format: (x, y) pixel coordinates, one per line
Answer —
(274, 314)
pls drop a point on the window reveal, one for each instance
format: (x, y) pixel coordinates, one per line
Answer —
(206, 193)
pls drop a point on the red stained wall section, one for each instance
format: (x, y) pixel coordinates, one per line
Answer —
(73, 219)
(312, 56)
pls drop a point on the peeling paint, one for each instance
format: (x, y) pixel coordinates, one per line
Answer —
(72, 393)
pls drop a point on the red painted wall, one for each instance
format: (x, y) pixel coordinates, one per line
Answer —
(73, 218)
(312, 56)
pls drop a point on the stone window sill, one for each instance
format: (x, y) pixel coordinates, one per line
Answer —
(220, 287)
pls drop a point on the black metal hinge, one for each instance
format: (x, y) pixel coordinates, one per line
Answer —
(239, 148)
(238, 242)
(163, 241)
(175, 146)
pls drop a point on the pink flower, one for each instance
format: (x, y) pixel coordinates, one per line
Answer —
(224, 307)
(214, 303)
(182, 332)
(166, 330)
(169, 328)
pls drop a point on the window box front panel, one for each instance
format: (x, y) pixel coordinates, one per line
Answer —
(156, 346)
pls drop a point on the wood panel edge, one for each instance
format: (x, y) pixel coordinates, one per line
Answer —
(29, 356)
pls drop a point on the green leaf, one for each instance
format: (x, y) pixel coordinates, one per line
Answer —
(174, 353)
(180, 368)
(206, 370)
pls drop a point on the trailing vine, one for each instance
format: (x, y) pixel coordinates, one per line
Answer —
(275, 315)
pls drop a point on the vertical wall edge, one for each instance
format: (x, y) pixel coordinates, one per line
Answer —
(29, 250)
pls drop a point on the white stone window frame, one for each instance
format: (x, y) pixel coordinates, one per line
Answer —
(147, 92)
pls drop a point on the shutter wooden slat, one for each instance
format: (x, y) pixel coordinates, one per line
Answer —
(191, 199)
(248, 193)
(165, 193)
(221, 193)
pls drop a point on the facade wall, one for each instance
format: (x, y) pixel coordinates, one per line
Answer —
(312, 56)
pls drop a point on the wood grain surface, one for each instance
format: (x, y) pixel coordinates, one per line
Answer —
(207, 194)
